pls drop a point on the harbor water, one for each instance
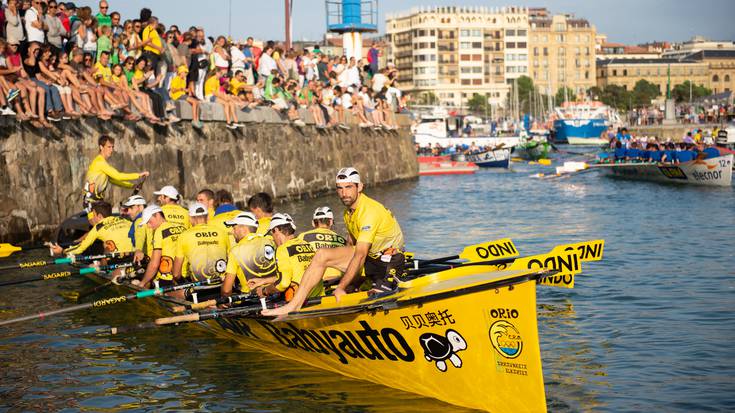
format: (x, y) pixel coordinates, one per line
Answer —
(651, 327)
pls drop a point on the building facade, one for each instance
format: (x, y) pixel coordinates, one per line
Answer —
(562, 53)
(626, 72)
(453, 53)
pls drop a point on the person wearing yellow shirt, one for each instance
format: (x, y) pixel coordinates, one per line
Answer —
(213, 92)
(165, 236)
(101, 173)
(111, 230)
(102, 73)
(238, 83)
(322, 236)
(293, 257)
(152, 43)
(178, 90)
(201, 251)
(376, 243)
(225, 208)
(252, 258)
(167, 198)
(261, 204)
(206, 198)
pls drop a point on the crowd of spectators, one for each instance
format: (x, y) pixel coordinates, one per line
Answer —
(685, 113)
(58, 62)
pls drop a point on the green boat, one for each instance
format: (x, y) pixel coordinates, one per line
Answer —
(532, 150)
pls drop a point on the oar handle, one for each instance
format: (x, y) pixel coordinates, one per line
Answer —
(186, 318)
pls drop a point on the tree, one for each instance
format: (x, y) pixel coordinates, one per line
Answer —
(561, 96)
(644, 92)
(477, 103)
(614, 96)
(680, 92)
(428, 98)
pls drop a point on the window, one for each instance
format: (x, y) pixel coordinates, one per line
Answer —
(560, 38)
(476, 45)
(510, 45)
(477, 58)
(464, 57)
(465, 69)
(715, 78)
(615, 72)
(432, 32)
(546, 51)
(561, 51)
(522, 45)
(535, 51)
(727, 78)
(560, 27)
(510, 32)
(521, 32)
(464, 33)
(477, 69)
(586, 74)
(465, 45)
(625, 72)
(465, 82)
(476, 32)
(476, 81)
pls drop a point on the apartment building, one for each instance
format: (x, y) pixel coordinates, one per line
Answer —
(626, 72)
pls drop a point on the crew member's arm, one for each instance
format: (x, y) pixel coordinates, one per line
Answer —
(178, 259)
(152, 268)
(121, 178)
(86, 242)
(284, 274)
(230, 275)
(141, 239)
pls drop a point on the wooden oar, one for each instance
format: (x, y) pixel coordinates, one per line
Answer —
(215, 301)
(112, 300)
(61, 261)
(76, 296)
(64, 274)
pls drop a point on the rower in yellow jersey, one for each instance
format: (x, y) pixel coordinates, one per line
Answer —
(225, 208)
(206, 198)
(322, 236)
(261, 204)
(376, 243)
(111, 230)
(165, 235)
(167, 198)
(293, 257)
(100, 173)
(252, 258)
(201, 251)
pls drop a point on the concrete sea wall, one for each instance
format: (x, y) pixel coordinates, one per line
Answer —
(42, 171)
(675, 132)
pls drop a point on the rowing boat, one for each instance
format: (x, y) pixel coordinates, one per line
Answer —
(715, 171)
(532, 150)
(467, 336)
(497, 158)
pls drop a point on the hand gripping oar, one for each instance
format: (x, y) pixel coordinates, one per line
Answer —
(64, 274)
(112, 300)
(71, 259)
(502, 248)
(76, 296)
(215, 301)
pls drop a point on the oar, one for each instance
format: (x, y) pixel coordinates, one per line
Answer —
(64, 274)
(215, 301)
(501, 248)
(7, 249)
(113, 300)
(61, 261)
(76, 296)
(413, 273)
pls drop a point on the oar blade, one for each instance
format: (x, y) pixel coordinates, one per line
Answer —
(587, 250)
(566, 263)
(491, 250)
(7, 249)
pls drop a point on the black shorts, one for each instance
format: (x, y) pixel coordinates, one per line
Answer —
(383, 275)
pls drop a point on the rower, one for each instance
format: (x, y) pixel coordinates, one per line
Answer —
(165, 235)
(225, 208)
(203, 248)
(322, 236)
(253, 257)
(133, 209)
(111, 230)
(293, 257)
(101, 173)
(206, 198)
(376, 243)
(168, 198)
(261, 204)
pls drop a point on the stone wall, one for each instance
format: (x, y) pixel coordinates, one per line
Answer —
(41, 172)
(674, 132)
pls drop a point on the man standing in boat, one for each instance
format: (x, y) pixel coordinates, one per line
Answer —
(101, 173)
(375, 243)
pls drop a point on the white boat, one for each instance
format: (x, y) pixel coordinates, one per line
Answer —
(583, 123)
(433, 129)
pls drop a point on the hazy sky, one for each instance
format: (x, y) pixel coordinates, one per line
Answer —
(624, 21)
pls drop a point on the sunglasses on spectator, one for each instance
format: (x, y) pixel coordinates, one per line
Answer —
(104, 7)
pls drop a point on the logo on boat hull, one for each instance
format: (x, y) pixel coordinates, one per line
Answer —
(440, 348)
(506, 339)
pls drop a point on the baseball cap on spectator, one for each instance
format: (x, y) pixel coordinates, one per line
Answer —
(281, 219)
(243, 218)
(70, 6)
(348, 175)
(148, 212)
(134, 200)
(197, 209)
(323, 212)
(168, 191)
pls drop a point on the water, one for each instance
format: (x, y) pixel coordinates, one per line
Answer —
(649, 328)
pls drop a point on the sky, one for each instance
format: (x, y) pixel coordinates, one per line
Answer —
(623, 21)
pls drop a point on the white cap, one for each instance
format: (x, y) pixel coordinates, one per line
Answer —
(243, 218)
(197, 209)
(348, 175)
(168, 191)
(323, 212)
(134, 200)
(281, 219)
(148, 213)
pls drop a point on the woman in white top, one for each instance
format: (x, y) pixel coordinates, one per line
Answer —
(220, 57)
(13, 25)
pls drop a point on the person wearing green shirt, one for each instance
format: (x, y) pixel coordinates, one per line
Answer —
(104, 44)
(103, 19)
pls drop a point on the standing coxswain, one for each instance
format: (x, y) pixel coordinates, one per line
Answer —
(376, 243)
(101, 173)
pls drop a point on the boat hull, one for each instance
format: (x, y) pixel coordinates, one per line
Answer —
(532, 151)
(708, 172)
(447, 168)
(580, 131)
(499, 158)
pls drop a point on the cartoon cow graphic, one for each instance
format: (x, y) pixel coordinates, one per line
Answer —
(440, 348)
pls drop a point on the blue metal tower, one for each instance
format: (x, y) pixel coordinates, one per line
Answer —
(351, 18)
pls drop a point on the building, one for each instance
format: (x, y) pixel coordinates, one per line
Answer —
(721, 65)
(626, 72)
(697, 44)
(621, 51)
(562, 52)
(454, 53)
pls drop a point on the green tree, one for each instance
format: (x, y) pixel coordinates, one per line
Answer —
(477, 103)
(645, 91)
(615, 96)
(428, 98)
(680, 92)
(561, 96)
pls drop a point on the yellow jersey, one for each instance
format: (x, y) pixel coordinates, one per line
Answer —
(324, 238)
(292, 259)
(165, 238)
(371, 222)
(101, 173)
(211, 86)
(176, 214)
(112, 231)
(263, 224)
(102, 72)
(236, 86)
(219, 219)
(152, 34)
(253, 256)
(204, 248)
(179, 83)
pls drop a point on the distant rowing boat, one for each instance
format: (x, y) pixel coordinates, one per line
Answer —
(497, 158)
